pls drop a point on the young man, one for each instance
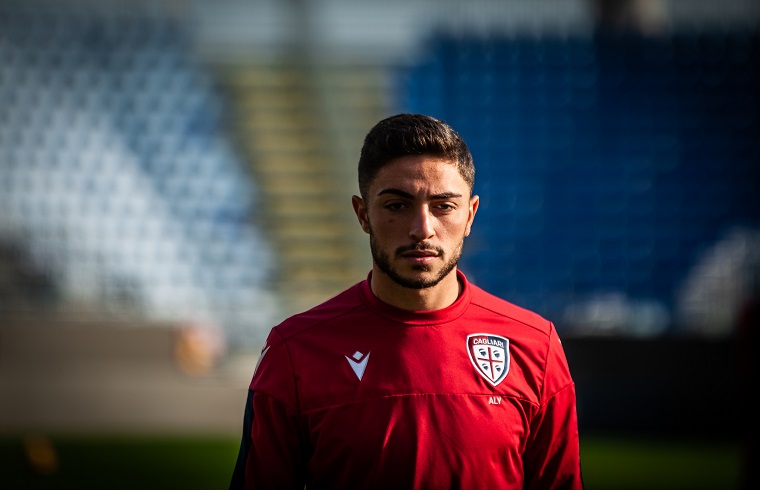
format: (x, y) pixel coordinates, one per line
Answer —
(414, 377)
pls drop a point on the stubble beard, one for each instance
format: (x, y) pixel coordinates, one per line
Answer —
(383, 262)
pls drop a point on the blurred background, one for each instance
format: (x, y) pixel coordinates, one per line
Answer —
(175, 179)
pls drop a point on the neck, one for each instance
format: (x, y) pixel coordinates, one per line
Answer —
(437, 297)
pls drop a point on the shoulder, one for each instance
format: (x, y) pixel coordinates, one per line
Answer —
(294, 340)
(533, 342)
(333, 308)
(492, 304)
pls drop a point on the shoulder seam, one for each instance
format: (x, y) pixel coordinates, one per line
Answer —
(314, 325)
(511, 317)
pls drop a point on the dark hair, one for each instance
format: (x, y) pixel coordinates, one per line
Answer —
(412, 134)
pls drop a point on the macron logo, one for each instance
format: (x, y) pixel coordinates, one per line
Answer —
(358, 363)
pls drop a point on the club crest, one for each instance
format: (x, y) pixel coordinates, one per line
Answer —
(490, 355)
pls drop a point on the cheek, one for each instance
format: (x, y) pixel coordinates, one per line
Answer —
(379, 226)
(383, 222)
(457, 228)
(387, 228)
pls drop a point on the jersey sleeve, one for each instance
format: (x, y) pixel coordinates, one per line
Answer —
(552, 454)
(273, 448)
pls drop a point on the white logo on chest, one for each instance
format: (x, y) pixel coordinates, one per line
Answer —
(358, 363)
(489, 355)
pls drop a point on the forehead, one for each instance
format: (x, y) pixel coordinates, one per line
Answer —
(420, 173)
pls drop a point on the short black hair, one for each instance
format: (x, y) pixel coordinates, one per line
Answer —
(412, 134)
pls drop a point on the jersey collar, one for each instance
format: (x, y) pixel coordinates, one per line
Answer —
(420, 317)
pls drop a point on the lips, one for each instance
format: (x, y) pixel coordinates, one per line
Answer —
(421, 253)
(421, 256)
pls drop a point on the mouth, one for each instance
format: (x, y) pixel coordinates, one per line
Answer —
(421, 253)
(420, 256)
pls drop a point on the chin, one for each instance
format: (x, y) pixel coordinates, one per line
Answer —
(419, 281)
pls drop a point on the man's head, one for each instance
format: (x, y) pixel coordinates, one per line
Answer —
(416, 177)
(412, 134)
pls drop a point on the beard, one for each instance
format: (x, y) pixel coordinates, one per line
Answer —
(383, 262)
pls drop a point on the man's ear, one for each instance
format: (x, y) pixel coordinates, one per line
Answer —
(360, 209)
(474, 202)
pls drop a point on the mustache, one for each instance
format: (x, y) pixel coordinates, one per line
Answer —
(419, 247)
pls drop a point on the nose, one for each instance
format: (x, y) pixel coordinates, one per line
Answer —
(422, 225)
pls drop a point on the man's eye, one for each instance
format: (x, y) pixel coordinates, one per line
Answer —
(394, 206)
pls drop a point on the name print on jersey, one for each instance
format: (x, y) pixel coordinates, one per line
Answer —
(489, 354)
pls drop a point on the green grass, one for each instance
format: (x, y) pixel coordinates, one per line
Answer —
(124, 463)
(649, 463)
(145, 463)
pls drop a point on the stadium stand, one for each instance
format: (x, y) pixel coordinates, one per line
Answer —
(117, 177)
(607, 164)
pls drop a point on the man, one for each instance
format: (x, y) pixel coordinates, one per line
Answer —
(414, 377)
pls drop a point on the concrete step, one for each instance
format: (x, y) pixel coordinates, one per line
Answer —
(303, 128)
(107, 377)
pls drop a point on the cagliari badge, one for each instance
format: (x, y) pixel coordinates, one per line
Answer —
(489, 354)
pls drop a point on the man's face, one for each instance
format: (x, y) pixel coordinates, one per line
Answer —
(417, 214)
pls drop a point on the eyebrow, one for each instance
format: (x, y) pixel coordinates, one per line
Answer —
(404, 194)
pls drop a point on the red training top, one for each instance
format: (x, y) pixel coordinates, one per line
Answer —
(356, 393)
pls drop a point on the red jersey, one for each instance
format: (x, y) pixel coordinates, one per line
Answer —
(356, 393)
